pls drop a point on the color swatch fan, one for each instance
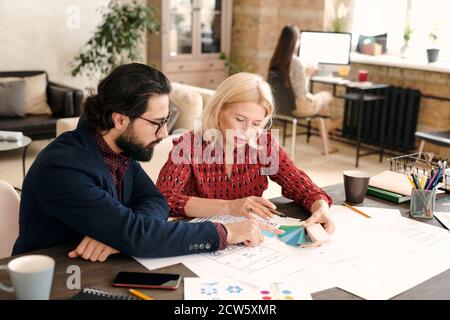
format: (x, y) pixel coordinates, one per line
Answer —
(293, 235)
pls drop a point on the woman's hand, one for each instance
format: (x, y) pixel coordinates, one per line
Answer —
(93, 250)
(249, 206)
(309, 70)
(321, 214)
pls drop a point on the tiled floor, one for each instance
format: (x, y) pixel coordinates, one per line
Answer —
(324, 171)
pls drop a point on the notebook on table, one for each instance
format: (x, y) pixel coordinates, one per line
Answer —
(387, 195)
(97, 294)
(391, 181)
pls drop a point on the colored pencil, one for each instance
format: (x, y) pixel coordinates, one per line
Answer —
(356, 210)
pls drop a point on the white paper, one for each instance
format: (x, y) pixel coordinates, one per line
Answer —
(275, 220)
(270, 260)
(444, 218)
(223, 288)
(315, 279)
(374, 258)
(396, 254)
(388, 276)
(156, 263)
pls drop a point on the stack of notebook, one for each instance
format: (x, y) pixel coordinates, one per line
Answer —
(98, 294)
(391, 186)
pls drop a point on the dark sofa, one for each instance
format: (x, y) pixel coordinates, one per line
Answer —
(63, 101)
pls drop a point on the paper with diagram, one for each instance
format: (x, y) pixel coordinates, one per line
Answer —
(222, 288)
(156, 263)
(374, 258)
(396, 254)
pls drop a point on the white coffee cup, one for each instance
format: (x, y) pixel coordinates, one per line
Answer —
(31, 277)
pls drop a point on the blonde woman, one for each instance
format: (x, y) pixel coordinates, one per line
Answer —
(223, 168)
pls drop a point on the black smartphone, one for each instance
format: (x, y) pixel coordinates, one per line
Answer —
(147, 280)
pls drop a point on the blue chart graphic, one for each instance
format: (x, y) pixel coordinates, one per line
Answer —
(234, 289)
(209, 289)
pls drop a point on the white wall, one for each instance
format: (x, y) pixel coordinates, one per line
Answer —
(40, 34)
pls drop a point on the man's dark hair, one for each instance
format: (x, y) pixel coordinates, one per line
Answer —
(125, 90)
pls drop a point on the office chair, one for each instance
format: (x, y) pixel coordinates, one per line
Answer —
(285, 100)
(440, 138)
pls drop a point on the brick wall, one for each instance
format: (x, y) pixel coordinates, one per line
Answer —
(257, 25)
(434, 114)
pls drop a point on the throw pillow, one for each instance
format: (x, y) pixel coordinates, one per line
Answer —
(36, 95)
(190, 105)
(12, 98)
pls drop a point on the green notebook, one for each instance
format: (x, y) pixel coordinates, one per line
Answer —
(387, 195)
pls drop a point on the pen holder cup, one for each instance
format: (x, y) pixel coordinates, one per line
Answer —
(422, 203)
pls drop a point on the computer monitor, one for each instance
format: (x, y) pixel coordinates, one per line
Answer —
(330, 50)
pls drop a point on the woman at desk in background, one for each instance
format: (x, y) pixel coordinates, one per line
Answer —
(286, 61)
(232, 183)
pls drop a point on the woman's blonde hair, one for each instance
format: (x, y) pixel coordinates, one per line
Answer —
(238, 88)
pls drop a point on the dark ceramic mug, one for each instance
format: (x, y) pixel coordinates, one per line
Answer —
(355, 184)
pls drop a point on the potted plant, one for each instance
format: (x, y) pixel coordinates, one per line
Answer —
(406, 38)
(116, 40)
(433, 52)
(235, 65)
(340, 17)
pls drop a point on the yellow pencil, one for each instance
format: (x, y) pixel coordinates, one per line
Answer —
(412, 182)
(423, 181)
(140, 295)
(356, 210)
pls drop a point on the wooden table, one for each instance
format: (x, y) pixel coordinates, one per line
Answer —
(100, 275)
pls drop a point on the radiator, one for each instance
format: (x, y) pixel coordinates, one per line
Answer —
(394, 118)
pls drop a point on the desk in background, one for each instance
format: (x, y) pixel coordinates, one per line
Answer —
(360, 98)
(101, 275)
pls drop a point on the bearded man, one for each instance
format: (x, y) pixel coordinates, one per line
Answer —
(87, 188)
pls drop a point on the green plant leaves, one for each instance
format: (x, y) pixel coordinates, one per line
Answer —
(116, 39)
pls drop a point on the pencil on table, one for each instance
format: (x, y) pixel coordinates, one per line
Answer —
(357, 210)
(140, 295)
(278, 213)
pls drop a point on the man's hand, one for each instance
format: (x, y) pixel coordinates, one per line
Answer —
(248, 232)
(93, 250)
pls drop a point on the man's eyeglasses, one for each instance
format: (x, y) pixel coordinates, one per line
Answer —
(158, 124)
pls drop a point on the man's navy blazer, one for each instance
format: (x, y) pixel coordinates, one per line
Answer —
(68, 193)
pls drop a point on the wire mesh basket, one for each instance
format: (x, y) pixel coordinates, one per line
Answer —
(422, 164)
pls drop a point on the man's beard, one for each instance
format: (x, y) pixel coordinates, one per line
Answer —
(133, 149)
